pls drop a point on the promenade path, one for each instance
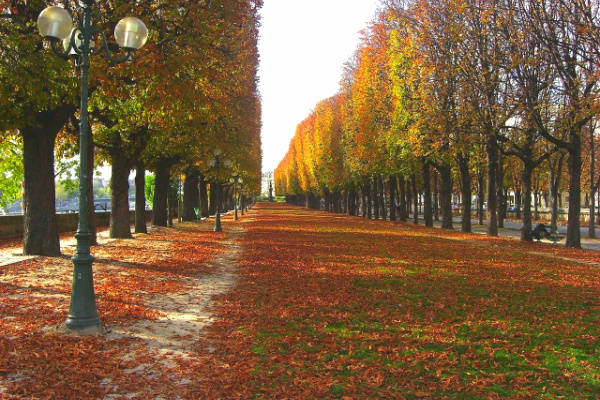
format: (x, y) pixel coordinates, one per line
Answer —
(289, 303)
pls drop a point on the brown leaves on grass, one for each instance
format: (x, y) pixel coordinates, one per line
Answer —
(38, 359)
(326, 306)
(332, 306)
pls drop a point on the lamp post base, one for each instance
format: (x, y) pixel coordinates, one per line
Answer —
(83, 316)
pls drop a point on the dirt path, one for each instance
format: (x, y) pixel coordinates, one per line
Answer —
(148, 355)
(186, 314)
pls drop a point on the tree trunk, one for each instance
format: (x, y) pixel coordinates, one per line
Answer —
(39, 219)
(368, 205)
(140, 198)
(526, 182)
(403, 200)
(446, 177)
(204, 211)
(465, 187)
(415, 196)
(191, 194)
(500, 192)
(573, 225)
(492, 206)
(554, 174)
(436, 205)
(480, 196)
(40, 230)
(169, 211)
(592, 222)
(518, 202)
(392, 184)
(212, 205)
(352, 195)
(120, 225)
(382, 197)
(427, 211)
(375, 195)
(161, 192)
(225, 198)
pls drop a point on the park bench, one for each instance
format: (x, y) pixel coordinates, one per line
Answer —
(540, 232)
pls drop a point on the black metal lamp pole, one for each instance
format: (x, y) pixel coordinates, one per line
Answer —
(55, 24)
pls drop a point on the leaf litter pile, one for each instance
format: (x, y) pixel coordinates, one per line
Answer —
(308, 305)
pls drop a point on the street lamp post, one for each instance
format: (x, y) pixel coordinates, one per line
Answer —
(56, 25)
(216, 164)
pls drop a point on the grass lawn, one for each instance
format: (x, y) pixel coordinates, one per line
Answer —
(332, 306)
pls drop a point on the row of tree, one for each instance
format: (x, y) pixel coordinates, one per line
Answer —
(190, 89)
(484, 92)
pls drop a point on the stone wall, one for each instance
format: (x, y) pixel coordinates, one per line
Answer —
(12, 225)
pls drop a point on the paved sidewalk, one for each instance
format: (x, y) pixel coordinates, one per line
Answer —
(512, 229)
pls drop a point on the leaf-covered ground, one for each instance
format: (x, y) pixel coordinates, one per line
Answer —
(325, 306)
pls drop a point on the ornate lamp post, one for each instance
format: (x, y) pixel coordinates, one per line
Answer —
(216, 164)
(56, 25)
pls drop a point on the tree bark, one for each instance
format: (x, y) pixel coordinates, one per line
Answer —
(500, 192)
(427, 207)
(393, 184)
(518, 202)
(191, 194)
(492, 206)
(375, 195)
(403, 200)
(382, 197)
(436, 205)
(592, 222)
(574, 163)
(465, 187)
(367, 193)
(204, 210)
(39, 219)
(352, 196)
(526, 182)
(446, 177)
(480, 196)
(40, 230)
(415, 197)
(140, 198)
(161, 192)
(120, 225)
(212, 208)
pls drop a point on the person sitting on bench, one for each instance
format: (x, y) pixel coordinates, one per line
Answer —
(540, 232)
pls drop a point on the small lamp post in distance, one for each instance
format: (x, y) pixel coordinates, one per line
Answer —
(56, 25)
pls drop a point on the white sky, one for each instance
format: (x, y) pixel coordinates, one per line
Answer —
(303, 46)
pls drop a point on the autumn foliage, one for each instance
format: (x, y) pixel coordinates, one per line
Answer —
(324, 306)
(460, 88)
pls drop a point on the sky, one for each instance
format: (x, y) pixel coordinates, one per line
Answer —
(303, 46)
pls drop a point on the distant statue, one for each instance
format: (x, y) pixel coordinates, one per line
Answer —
(271, 187)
